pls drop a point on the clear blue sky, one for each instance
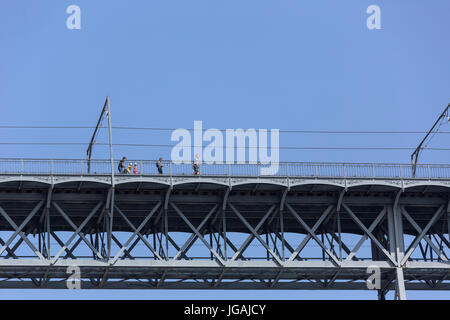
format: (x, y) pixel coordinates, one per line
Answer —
(290, 65)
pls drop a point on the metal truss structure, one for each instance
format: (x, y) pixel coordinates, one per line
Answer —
(180, 231)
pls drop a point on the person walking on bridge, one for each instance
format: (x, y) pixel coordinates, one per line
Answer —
(196, 165)
(159, 165)
(121, 166)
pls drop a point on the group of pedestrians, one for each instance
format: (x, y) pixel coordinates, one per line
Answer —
(132, 169)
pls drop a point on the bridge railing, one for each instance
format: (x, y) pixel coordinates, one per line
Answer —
(284, 169)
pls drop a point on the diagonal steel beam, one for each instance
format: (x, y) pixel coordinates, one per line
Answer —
(255, 234)
(365, 236)
(228, 241)
(330, 283)
(175, 245)
(133, 245)
(308, 236)
(369, 233)
(343, 246)
(18, 230)
(312, 233)
(216, 238)
(147, 244)
(16, 246)
(126, 252)
(104, 278)
(419, 230)
(440, 241)
(272, 217)
(186, 244)
(225, 199)
(136, 232)
(287, 245)
(77, 230)
(277, 278)
(273, 239)
(441, 236)
(10, 251)
(70, 251)
(250, 238)
(44, 279)
(442, 279)
(190, 244)
(386, 286)
(419, 238)
(219, 279)
(178, 211)
(79, 233)
(162, 278)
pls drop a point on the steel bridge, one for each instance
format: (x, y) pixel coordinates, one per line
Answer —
(309, 226)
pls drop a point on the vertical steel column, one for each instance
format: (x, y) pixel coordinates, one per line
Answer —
(392, 250)
(391, 230)
(47, 219)
(323, 250)
(224, 231)
(47, 224)
(112, 180)
(166, 231)
(398, 224)
(283, 257)
(448, 220)
(159, 237)
(400, 249)
(211, 242)
(339, 232)
(400, 284)
(154, 243)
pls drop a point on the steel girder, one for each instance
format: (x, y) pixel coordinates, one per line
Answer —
(205, 235)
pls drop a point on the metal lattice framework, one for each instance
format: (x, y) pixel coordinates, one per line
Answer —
(320, 226)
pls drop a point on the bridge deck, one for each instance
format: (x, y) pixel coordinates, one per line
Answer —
(221, 228)
(308, 187)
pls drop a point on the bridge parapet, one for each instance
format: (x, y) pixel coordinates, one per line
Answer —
(285, 169)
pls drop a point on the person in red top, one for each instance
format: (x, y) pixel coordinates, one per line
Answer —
(135, 171)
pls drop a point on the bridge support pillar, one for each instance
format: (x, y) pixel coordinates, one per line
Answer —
(400, 292)
(381, 295)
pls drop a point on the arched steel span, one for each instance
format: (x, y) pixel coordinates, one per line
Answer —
(224, 232)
